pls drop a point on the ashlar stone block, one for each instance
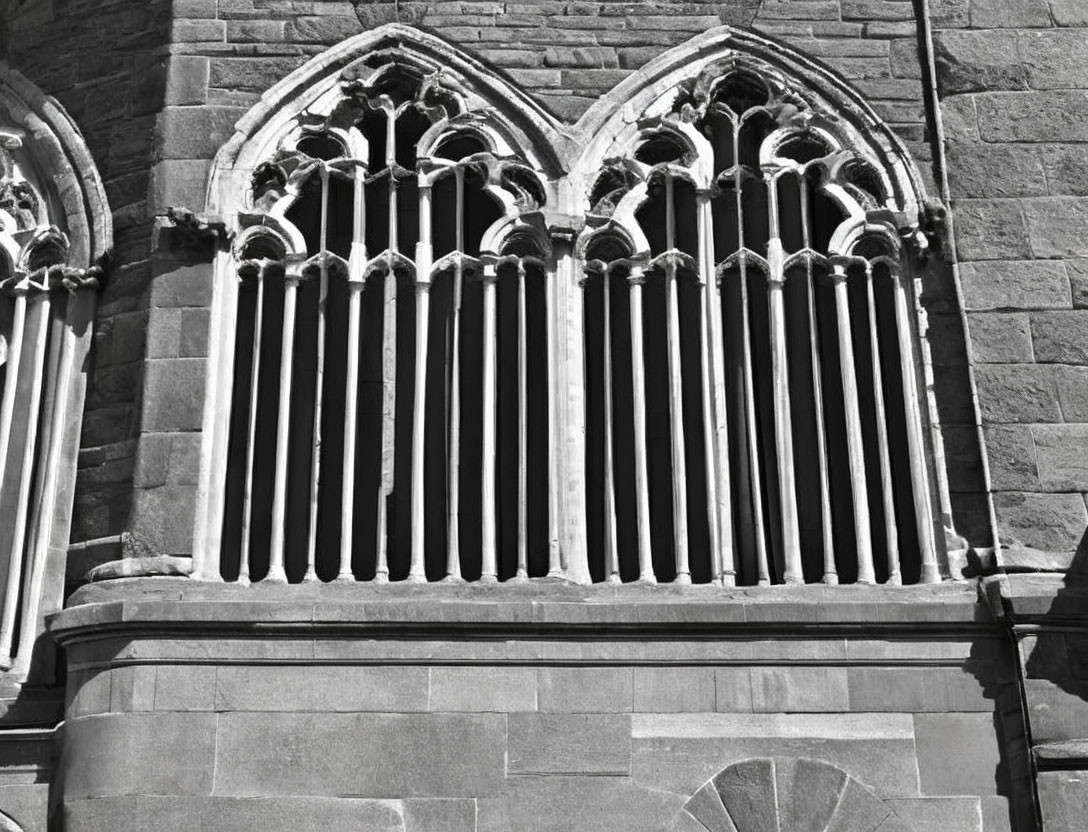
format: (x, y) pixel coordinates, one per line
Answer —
(1052, 522)
(592, 744)
(367, 755)
(958, 753)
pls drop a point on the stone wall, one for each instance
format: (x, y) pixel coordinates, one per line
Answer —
(1012, 76)
(106, 62)
(492, 712)
(225, 54)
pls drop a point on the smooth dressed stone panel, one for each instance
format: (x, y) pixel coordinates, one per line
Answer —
(368, 755)
(321, 688)
(161, 753)
(569, 744)
(481, 689)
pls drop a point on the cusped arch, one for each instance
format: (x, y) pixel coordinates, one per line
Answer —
(824, 100)
(41, 145)
(786, 794)
(318, 87)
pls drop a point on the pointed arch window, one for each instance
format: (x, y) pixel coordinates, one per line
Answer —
(678, 342)
(55, 230)
(387, 422)
(757, 418)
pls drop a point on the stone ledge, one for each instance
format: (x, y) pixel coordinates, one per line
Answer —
(540, 607)
(1039, 598)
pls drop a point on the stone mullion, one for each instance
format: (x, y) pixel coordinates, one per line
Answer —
(676, 398)
(489, 566)
(891, 530)
(276, 570)
(19, 521)
(638, 379)
(50, 464)
(716, 435)
(356, 282)
(453, 537)
(523, 428)
(783, 422)
(611, 559)
(923, 509)
(417, 570)
(251, 423)
(830, 570)
(855, 447)
(319, 383)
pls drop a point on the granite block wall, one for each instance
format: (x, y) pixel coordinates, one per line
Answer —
(1012, 78)
(223, 55)
(362, 725)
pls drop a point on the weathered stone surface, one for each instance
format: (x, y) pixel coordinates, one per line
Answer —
(558, 803)
(174, 394)
(1056, 710)
(185, 688)
(1052, 522)
(906, 690)
(132, 688)
(1056, 226)
(194, 132)
(972, 61)
(960, 119)
(1069, 12)
(368, 755)
(680, 752)
(1062, 454)
(799, 689)
(327, 688)
(1060, 337)
(585, 690)
(228, 814)
(669, 689)
(482, 689)
(747, 793)
(858, 810)
(976, 169)
(439, 815)
(958, 754)
(326, 29)
(939, 814)
(733, 689)
(27, 804)
(991, 229)
(1063, 800)
(1003, 338)
(1055, 59)
(1066, 170)
(186, 80)
(1052, 116)
(162, 519)
(136, 746)
(597, 744)
(1072, 384)
(1016, 393)
(989, 14)
(806, 793)
(706, 806)
(1010, 451)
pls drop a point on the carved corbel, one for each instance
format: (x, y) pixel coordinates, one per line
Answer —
(192, 230)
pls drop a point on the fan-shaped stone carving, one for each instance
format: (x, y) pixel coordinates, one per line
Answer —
(786, 794)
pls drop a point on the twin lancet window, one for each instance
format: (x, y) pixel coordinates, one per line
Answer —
(691, 356)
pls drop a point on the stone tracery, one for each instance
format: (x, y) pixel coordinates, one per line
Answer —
(403, 186)
(54, 234)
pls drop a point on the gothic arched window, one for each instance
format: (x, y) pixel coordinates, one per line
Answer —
(756, 418)
(55, 228)
(455, 339)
